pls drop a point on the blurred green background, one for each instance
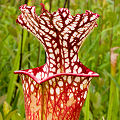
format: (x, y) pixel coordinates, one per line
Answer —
(21, 50)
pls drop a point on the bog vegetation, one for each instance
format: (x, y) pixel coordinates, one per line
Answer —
(20, 50)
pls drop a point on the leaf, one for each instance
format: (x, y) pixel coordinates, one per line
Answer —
(1, 118)
(13, 78)
(6, 108)
(13, 115)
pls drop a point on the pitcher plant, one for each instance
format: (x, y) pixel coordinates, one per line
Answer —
(58, 89)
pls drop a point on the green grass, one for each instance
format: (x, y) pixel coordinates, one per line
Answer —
(95, 54)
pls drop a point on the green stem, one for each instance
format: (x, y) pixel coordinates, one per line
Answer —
(65, 3)
(86, 117)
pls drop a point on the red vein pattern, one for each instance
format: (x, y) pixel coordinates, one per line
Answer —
(58, 89)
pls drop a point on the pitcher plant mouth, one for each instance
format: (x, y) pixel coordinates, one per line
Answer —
(38, 81)
(57, 90)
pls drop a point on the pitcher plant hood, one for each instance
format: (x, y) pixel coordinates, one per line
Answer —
(59, 87)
